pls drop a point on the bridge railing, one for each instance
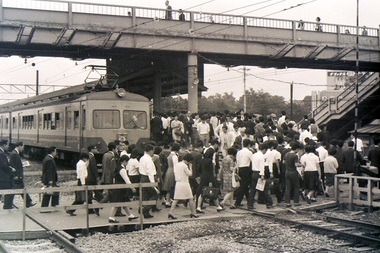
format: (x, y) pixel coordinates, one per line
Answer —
(366, 81)
(156, 13)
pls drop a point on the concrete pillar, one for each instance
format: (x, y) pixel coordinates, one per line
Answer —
(192, 82)
(157, 92)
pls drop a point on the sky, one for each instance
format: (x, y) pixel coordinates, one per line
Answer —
(55, 73)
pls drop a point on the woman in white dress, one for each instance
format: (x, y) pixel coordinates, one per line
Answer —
(182, 171)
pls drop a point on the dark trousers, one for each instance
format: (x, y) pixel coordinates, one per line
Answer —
(292, 185)
(8, 199)
(46, 200)
(252, 192)
(246, 180)
(96, 194)
(149, 193)
(20, 185)
(267, 197)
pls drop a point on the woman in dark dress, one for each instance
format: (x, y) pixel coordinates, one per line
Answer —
(207, 177)
(121, 195)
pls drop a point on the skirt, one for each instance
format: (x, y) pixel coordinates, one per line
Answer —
(182, 191)
(169, 180)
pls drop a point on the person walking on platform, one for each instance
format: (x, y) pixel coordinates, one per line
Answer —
(312, 174)
(81, 169)
(226, 174)
(148, 172)
(121, 195)
(108, 168)
(50, 177)
(292, 177)
(15, 162)
(243, 162)
(92, 177)
(6, 176)
(182, 171)
(169, 180)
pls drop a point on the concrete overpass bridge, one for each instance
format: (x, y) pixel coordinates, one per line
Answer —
(159, 57)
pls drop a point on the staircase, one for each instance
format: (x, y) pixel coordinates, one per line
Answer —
(338, 113)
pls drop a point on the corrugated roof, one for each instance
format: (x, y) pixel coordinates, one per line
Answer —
(371, 128)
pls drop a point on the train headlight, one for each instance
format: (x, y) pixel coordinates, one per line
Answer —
(121, 92)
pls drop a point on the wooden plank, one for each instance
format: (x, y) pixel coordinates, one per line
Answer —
(29, 235)
(66, 235)
(319, 206)
(114, 204)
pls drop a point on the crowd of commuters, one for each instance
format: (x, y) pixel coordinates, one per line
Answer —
(241, 155)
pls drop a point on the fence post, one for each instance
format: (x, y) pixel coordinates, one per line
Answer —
(369, 192)
(140, 207)
(350, 193)
(24, 215)
(87, 214)
(336, 188)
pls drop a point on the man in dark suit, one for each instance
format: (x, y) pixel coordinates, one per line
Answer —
(374, 154)
(156, 127)
(50, 177)
(92, 177)
(348, 161)
(109, 165)
(15, 162)
(6, 176)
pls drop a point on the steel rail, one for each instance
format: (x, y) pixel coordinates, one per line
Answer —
(59, 239)
(370, 241)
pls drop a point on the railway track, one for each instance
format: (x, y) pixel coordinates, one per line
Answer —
(57, 242)
(360, 236)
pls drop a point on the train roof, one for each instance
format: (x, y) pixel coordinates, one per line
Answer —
(79, 92)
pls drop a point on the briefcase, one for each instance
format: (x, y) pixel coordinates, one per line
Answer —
(210, 192)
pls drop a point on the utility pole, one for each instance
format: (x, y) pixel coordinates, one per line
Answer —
(244, 94)
(357, 84)
(37, 82)
(291, 101)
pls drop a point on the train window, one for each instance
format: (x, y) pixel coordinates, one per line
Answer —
(47, 121)
(6, 123)
(39, 120)
(68, 119)
(14, 123)
(106, 119)
(76, 119)
(58, 120)
(135, 119)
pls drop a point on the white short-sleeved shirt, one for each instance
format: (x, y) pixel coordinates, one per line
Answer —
(133, 167)
(330, 164)
(310, 161)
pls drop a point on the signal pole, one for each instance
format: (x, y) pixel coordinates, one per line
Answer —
(37, 82)
(244, 94)
(291, 101)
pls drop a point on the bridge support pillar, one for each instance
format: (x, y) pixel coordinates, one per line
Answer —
(192, 82)
(157, 92)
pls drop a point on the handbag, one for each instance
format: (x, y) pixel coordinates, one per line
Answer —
(235, 183)
(210, 192)
(260, 184)
(236, 177)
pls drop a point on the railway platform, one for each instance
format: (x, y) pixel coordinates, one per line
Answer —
(58, 220)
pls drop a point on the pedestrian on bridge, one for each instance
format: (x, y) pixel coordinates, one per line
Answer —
(168, 13)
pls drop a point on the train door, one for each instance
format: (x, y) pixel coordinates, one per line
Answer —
(39, 124)
(10, 126)
(67, 126)
(18, 125)
(82, 127)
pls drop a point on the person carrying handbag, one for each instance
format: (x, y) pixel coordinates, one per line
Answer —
(229, 174)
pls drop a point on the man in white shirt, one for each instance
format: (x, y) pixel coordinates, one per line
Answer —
(305, 134)
(257, 172)
(243, 162)
(81, 177)
(359, 144)
(148, 171)
(203, 129)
